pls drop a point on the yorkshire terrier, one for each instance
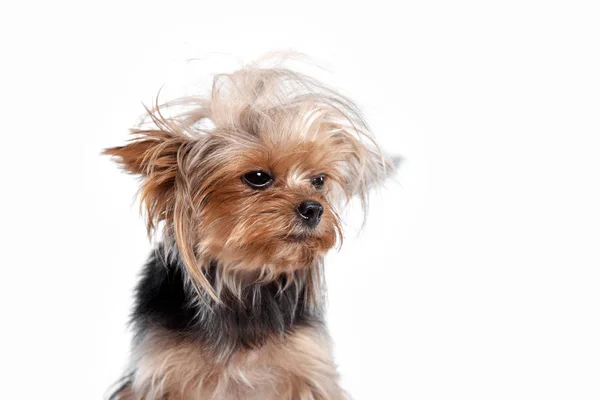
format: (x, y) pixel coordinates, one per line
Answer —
(245, 187)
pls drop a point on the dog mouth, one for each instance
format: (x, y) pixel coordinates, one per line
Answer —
(296, 237)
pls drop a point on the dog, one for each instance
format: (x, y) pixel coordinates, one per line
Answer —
(244, 186)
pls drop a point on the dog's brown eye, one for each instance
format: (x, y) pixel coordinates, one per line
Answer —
(318, 181)
(257, 179)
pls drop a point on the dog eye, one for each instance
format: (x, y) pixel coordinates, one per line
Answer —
(257, 179)
(318, 181)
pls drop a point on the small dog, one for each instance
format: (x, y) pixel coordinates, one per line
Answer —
(245, 186)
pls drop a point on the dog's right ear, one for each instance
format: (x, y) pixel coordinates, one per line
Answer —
(157, 156)
(161, 156)
(151, 153)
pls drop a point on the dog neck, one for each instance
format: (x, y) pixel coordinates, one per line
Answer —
(246, 317)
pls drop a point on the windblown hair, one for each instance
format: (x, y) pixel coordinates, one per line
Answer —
(192, 151)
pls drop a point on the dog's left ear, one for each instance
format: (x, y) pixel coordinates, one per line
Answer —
(366, 166)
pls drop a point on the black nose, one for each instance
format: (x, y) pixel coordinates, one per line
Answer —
(311, 212)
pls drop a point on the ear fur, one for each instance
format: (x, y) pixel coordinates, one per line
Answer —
(159, 156)
(154, 155)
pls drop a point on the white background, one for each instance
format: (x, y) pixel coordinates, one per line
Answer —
(477, 274)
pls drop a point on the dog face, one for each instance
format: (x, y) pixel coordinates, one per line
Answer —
(271, 204)
(252, 177)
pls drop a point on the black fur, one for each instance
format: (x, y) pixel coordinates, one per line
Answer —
(164, 299)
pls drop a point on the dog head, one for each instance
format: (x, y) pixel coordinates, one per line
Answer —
(252, 176)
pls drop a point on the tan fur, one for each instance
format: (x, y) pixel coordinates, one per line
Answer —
(126, 393)
(297, 367)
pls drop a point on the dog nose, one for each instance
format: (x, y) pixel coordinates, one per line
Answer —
(311, 212)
